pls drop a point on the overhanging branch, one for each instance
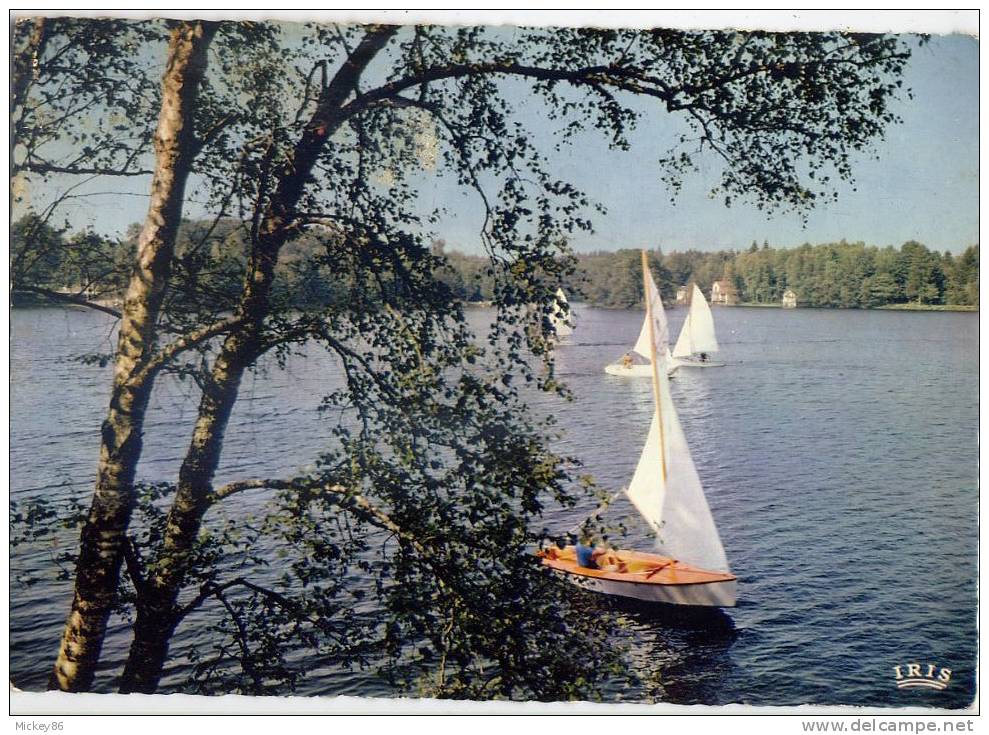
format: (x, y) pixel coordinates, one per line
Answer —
(67, 298)
(188, 342)
(50, 168)
(623, 77)
(350, 498)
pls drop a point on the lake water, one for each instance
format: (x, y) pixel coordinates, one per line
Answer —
(838, 451)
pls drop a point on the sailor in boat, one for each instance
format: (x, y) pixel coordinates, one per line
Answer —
(591, 556)
(587, 554)
(627, 360)
(613, 563)
(703, 357)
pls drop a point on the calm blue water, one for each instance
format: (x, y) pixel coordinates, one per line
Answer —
(838, 451)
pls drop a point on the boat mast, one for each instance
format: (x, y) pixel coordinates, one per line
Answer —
(655, 367)
(690, 323)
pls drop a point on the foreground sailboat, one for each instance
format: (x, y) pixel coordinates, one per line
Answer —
(562, 319)
(697, 341)
(692, 568)
(627, 367)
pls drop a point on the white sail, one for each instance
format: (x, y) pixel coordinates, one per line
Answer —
(697, 334)
(647, 490)
(660, 330)
(675, 507)
(562, 322)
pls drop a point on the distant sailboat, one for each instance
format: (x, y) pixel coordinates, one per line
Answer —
(692, 568)
(626, 367)
(562, 319)
(697, 340)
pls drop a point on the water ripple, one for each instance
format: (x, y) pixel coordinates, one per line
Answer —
(838, 451)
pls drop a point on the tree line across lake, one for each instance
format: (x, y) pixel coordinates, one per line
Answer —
(839, 275)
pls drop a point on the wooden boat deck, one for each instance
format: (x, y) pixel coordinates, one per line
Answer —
(632, 566)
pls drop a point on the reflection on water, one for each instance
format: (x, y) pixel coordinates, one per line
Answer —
(838, 452)
(680, 654)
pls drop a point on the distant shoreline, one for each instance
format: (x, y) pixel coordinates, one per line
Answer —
(19, 302)
(884, 307)
(754, 305)
(928, 307)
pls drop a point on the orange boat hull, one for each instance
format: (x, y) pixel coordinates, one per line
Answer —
(649, 577)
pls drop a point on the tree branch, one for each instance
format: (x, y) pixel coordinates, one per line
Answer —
(245, 652)
(217, 127)
(50, 168)
(217, 590)
(161, 358)
(586, 75)
(66, 298)
(134, 566)
(354, 499)
(789, 69)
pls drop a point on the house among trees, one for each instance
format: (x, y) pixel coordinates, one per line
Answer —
(682, 295)
(724, 292)
(789, 299)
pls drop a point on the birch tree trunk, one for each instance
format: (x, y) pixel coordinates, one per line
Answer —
(22, 65)
(104, 533)
(157, 614)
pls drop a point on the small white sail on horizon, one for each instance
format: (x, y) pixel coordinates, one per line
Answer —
(561, 319)
(697, 335)
(660, 330)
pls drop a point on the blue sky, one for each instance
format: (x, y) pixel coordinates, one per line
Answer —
(922, 183)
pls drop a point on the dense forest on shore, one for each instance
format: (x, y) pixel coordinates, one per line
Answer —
(840, 275)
